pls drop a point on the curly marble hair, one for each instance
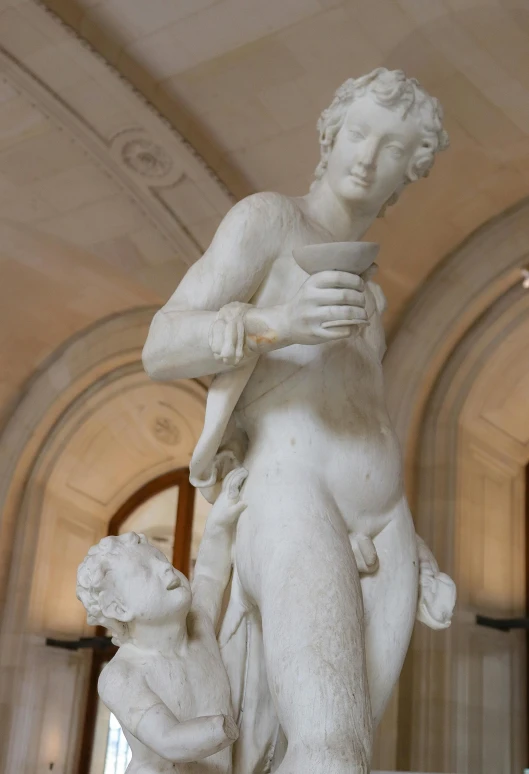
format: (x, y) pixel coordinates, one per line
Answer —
(92, 581)
(392, 89)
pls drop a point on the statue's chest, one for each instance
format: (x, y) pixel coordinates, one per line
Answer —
(190, 687)
(170, 680)
(282, 282)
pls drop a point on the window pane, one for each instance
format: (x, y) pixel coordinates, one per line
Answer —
(118, 752)
(111, 753)
(156, 519)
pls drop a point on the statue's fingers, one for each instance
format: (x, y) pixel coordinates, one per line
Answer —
(239, 349)
(341, 314)
(234, 511)
(234, 481)
(336, 332)
(216, 337)
(229, 344)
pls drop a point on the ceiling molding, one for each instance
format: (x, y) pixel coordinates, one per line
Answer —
(138, 95)
(143, 153)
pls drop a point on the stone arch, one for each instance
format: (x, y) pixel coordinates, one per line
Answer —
(454, 412)
(457, 292)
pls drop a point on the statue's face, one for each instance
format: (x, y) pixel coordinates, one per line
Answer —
(371, 153)
(148, 587)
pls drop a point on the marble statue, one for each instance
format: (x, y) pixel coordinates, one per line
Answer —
(167, 684)
(283, 309)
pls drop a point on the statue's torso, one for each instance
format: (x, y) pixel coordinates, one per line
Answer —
(190, 687)
(322, 406)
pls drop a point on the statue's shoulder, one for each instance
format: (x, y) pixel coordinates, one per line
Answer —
(119, 673)
(273, 210)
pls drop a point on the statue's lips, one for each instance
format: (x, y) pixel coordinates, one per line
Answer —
(365, 182)
(175, 583)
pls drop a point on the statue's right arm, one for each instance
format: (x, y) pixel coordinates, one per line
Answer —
(141, 712)
(232, 269)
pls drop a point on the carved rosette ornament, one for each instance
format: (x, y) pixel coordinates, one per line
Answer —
(146, 158)
(150, 162)
(165, 431)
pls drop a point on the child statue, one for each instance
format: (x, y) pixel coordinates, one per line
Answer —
(167, 685)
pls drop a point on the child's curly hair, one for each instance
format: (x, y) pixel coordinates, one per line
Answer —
(92, 582)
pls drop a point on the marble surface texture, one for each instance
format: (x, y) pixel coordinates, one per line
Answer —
(328, 574)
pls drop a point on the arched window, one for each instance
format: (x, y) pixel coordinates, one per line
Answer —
(172, 515)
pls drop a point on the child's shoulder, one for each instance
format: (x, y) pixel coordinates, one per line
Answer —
(122, 671)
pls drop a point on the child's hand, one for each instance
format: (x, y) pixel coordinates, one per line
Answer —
(228, 506)
(232, 484)
(226, 727)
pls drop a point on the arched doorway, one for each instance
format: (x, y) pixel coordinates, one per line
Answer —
(457, 376)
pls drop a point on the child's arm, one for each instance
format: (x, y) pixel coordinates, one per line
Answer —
(190, 740)
(141, 712)
(214, 561)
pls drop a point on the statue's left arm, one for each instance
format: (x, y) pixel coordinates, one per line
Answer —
(214, 561)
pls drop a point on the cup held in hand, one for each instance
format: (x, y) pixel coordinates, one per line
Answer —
(354, 257)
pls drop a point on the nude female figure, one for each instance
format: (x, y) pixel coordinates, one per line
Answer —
(307, 400)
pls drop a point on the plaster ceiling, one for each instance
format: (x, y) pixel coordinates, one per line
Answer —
(244, 81)
(251, 78)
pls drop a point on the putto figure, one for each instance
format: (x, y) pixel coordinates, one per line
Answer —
(166, 685)
(298, 398)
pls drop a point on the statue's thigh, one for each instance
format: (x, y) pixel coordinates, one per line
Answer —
(292, 543)
(301, 572)
(390, 604)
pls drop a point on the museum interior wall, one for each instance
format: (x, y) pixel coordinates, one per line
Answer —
(127, 131)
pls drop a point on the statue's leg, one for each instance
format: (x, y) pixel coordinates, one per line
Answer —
(295, 560)
(390, 603)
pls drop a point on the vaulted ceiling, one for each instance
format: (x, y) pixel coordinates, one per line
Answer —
(242, 82)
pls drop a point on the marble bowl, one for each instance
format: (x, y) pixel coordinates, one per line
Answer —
(354, 257)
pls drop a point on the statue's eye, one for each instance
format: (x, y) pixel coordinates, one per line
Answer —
(356, 136)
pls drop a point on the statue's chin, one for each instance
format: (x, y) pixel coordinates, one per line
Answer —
(360, 197)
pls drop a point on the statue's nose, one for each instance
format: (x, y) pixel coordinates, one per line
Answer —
(367, 159)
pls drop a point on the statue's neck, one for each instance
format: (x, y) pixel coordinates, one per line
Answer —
(342, 220)
(166, 638)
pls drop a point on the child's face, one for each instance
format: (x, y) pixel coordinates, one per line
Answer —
(149, 587)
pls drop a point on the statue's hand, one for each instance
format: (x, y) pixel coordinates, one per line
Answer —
(326, 307)
(227, 334)
(437, 591)
(227, 727)
(228, 506)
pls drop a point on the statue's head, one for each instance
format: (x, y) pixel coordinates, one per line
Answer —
(125, 579)
(380, 133)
